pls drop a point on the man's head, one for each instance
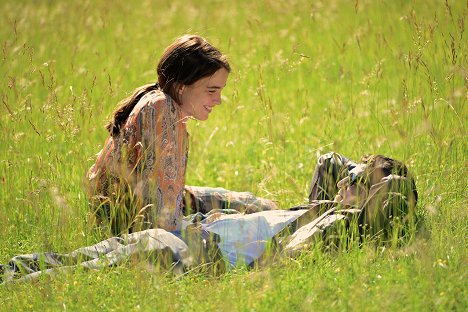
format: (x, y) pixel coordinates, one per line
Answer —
(354, 188)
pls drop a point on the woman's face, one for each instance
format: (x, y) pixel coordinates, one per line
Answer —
(198, 99)
(353, 191)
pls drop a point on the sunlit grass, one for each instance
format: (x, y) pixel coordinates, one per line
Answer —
(357, 77)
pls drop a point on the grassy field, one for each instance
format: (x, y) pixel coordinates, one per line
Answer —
(357, 77)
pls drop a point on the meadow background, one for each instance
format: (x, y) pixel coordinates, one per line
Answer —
(356, 77)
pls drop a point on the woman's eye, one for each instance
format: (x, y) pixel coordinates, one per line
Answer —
(211, 91)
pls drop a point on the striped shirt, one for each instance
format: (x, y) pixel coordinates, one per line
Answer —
(147, 161)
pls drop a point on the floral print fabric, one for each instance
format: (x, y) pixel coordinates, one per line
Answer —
(145, 165)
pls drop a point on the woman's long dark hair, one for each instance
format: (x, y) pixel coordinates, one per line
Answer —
(188, 59)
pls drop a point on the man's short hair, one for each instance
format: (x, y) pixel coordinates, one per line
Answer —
(390, 166)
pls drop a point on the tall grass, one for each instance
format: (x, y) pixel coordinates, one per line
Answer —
(357, 77)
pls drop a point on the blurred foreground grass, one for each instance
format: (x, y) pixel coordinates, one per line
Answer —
(358, 77)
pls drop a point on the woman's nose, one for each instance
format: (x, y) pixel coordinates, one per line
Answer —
(218, 99)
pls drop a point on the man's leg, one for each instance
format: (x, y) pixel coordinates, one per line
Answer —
(206, 199)
(155, 245)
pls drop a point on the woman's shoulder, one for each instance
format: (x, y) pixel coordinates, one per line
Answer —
(154, 104)
(153, 99)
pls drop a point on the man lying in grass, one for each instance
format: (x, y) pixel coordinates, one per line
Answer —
(373, 200)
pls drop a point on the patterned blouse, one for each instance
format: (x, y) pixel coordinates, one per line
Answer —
(148, 160)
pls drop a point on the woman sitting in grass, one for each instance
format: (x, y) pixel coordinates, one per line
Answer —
(138, 179)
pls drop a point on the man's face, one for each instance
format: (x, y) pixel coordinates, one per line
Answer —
(353, 189)
(198, 99)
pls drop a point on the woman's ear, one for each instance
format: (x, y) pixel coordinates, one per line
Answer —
(181, 89)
